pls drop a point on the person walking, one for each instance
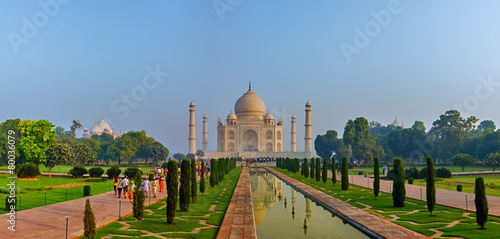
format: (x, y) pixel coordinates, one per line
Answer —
(145, 186)
(125, 184)
(131, 192)
(162, 182)
(119, 186)
(154, 185)
(115, 182)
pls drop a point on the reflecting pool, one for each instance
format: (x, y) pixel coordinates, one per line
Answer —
(281, 212)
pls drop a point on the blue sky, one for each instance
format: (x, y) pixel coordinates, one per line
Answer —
(86, 55)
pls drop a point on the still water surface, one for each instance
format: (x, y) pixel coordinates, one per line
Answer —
(274, 202)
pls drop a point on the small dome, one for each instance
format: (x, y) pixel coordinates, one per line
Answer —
(95, 129)
(191, 104)
(205, 117)
(268, 116)
(396, 122)
(308, 104)
(103, 125)
(250, 105)
(293, 116)
(231, 116)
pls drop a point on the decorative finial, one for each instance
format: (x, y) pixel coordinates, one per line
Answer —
(250, 85)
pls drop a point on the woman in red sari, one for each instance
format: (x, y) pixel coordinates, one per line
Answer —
(162, 182)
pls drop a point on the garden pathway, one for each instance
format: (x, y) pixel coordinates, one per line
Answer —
(50, 221)
(449, 198)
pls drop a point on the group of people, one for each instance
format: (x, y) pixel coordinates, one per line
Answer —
(128, 188)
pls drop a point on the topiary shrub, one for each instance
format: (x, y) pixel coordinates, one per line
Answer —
(173, 190)
(89, 224)
(10, 202)
(345, 174)
(113, 172)
(95, 180)
(164, 165)
(96, 172)
(390, 174)
(185, 184)
(131, 172)
(151, 177)
(423, 173)
(459, 188)
(443, 173)
(86, 190)
(481, 203)
(360, 173)
(398, 186)
(78, 171)
(27, 170)
(430, 187)
(412, 173)
(410, 180)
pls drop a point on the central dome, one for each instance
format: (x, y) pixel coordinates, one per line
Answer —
(250, 105)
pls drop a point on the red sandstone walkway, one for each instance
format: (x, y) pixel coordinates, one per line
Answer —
(239, 221)
(358, 217)
(447, 198)
(50, 221)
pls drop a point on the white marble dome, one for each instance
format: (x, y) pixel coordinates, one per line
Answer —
(103, 125)
(250, 105)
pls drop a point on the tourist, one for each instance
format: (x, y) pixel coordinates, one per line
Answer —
(154, 185)
(115, 181)
(162, 182)
(384, 169)
(131, 192)
(125, 184)
(145, 186)
(119, 186)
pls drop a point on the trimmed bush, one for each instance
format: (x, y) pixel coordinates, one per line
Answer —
(412, 173)
(185, 187)
(95, 180)
(194, 184)
(318, 169)
(376, 175)
(78, 171)
(360, 172)
(88, 221)
(11, 201)
(131, 172)
(422, 173)
(164, 165)
(430, 187)
(27, 170)
(306, 168)
(481, 203)
(443, 173)
(345, 174)
(313, 167)
(202, 177)
(113, 172)
(151, 177)
(410, 180)
(334, 173)
(172, 189)
(96, 172)
(138, 203)
(459, 188)
(324, 173)
(213, 173)
(398, 186)
(86, 190)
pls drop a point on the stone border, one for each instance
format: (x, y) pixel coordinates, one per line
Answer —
(367, 223)
(239, 219)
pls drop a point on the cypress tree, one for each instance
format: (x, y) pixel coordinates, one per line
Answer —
(297, 165)
(481, 203)
(138, 204)
(376, 174)
(398, 186)
(302, 169)
(313, 167)
(306, 168)
(345, 174)
(220, 170)
(334, 176)
(318, 169)
(324, 173)
(213, 173)
(430, 188)
(194, 183)
(172, 189)
(88, 221)
(202, 177)
(185, 188)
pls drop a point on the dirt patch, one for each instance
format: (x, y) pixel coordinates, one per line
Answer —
(32, 179)
(71, 185)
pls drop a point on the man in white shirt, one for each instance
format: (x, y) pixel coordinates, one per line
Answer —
(125, 185)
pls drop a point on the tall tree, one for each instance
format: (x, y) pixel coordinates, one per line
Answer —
(173, 190)
(83, 154)
(325, 145)
(306, 168)
(493, 160)
(138, 204)
(88, 221)
(463, 160)
(179, 156)
(481, 203)
(58, 154)
(202, 177)
(36, 137)
(376, 177)
(154, 150)
(76, 125)
(313, 168)
(194, 184)
(357, 135)
(200, 153)
(334, 173)
(185, 186)
(430, 186)
(59, 130)
(324, 173)
(487, 124)
(130, 142)
(213, 173)
(398, 186)
(345, 174)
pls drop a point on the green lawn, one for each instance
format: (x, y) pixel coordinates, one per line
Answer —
(199, 216)
(453, 169)
(66, 168)
(467, 182)
(31, 199)
(413, 216)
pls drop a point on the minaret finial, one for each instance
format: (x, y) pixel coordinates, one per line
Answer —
(250, 85)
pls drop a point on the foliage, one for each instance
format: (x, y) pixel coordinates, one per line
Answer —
(481, 203)
(306, 168)
(459, 188)
(430, 185)
(78, 171)
(76, 125)
(151, 177)
(113, 172)
(138, 203)
(398, 186)
(96, 172)
(129, 143)
(83, 154)
(463, 160)
(89, 224)
(412, 173)
(334, 173)
(213, 173)
(202, 177)
(194, 184)
(324, 173)
(313, 168)
(357, 134)
(493, 160)
(154, 150)
(345, 174)
(443, 173)
(185, 185)
(36, 137)
(86, 190)
(58, 154)
(376, 177)
(95, 180)
(27, 170)
(318, 169)
(200, 153)
(190, 156)
(326, 145)
(179, 156)
(130, 172)
(410, 180)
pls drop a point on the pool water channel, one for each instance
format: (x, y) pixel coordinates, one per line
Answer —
(281, 211)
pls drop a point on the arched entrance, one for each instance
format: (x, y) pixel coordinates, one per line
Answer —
(250, 140)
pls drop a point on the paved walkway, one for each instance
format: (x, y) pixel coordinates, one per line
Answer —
(50, 221)
(447, 198)
(375, 226)
(239, 219)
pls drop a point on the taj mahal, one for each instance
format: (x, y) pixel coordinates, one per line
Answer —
(250, 132)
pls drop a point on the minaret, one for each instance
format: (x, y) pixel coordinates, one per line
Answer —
(293, 142)
(205, 134)
(192, 133)
(308, 137)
